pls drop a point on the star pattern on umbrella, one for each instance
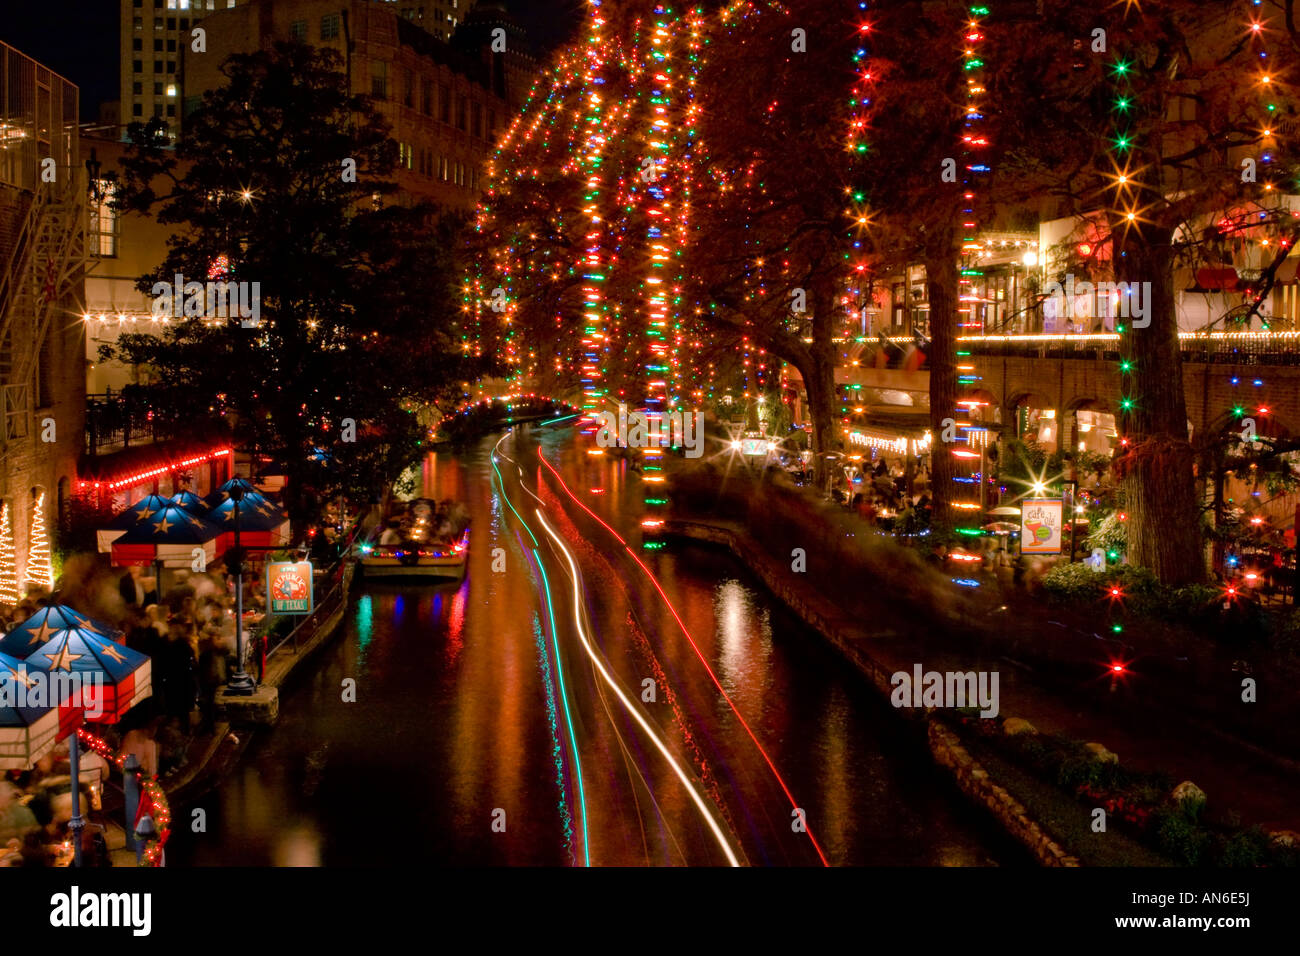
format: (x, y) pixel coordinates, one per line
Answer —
(195, 521)
(43, 632)
(21, 676)
(163, 526)
(62, 661)
(108, 650)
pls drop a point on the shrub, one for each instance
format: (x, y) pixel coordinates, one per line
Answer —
(1249, 847)
(1179, 836)
(1074, 582)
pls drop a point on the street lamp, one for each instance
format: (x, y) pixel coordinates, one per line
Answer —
(241, 684)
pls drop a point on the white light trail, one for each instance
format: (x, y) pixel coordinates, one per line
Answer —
(630, 707)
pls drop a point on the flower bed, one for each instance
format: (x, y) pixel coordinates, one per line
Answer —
(1141, 804)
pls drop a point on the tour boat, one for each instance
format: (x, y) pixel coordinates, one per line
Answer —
(419, 553)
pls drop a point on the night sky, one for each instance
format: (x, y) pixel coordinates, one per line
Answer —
(83, 45)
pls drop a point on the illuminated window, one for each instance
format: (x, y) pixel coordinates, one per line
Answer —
(104, 223)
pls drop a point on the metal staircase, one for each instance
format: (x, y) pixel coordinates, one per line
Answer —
(49, 256)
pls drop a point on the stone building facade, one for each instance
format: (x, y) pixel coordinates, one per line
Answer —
(43, 190)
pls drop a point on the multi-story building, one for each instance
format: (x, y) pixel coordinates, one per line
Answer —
(43, 190)
(439, 17)
(154, 37)
(446, 103)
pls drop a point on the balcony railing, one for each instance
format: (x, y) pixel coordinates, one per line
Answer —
(118, 420)
(1234, 348)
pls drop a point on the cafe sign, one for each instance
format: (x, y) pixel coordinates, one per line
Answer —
(289, 587)
(1040, 526)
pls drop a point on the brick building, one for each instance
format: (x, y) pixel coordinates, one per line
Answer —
(447, 102)
(43, 189)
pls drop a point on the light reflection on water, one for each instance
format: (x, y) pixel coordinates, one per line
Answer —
(454, 719)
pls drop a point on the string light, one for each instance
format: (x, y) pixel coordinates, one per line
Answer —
(39, 571)
(153, 792)
(8, 560)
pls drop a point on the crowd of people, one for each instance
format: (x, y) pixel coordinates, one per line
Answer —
(189, 635)
(424, 521)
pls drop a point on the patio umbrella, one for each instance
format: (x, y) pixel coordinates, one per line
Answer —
(1005, 510)
(126, 676)
(37, 629)
(222, 493)
(261, 524)
(139, 511)
(167, 538)
(1002, 527)
(28, 733)
(190, 502)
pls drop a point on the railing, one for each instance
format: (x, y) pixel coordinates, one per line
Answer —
(1236, 348)
(120, 420)
(336, 583)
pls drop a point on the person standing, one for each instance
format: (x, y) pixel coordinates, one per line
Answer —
(136, 589)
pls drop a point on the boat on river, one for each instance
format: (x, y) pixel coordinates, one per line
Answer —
(423, 539)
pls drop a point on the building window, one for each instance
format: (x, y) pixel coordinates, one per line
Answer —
(137, 109)
(157, 111)
(462, 111)
(137, 3)
(478, 120)
(408, 92)
(137, 87)
(171, 46)
(444, 103)
(157, 68)
(329, 26)
(157, 46)
(137, 66)
(171, 67)
(171, 23)
(298, 30)
(157, 89)
(137, 45)
(171, 109)
(379, 80)
(138, 24)
(426, 98)
(492, 122)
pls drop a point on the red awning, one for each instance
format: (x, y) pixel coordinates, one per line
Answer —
(1217, 279)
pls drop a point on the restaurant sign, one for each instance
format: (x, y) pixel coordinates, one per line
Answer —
(1040, 526)
(289, 587)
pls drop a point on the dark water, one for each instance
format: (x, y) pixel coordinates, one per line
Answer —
(459, 727)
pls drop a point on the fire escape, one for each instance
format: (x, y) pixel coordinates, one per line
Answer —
(49, 256)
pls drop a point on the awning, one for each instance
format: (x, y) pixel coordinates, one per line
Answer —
(1216, 280)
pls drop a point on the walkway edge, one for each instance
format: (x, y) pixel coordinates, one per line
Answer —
(970, 776)
(178, 788)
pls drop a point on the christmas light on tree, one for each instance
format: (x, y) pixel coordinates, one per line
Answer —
(39, 570)
(8, 563)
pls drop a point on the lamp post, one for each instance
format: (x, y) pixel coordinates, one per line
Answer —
(78, 823)
(241, 684)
